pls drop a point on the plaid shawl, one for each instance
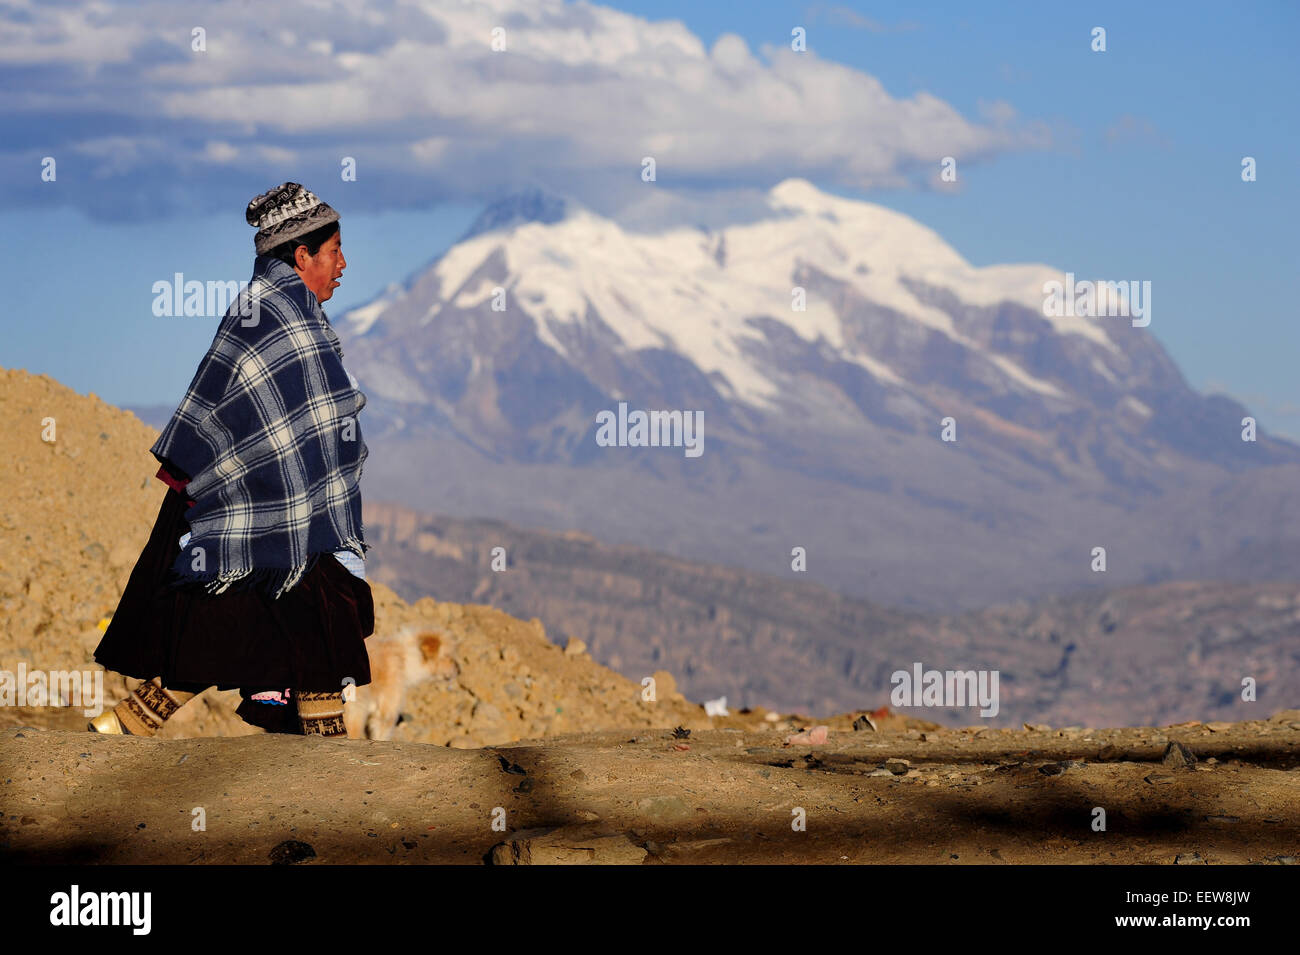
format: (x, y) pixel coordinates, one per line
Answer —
(268, 435)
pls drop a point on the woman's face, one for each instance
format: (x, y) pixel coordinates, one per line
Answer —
(321, 271)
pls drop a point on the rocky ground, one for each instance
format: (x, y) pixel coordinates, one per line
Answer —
(76, 510)
(1229, 794)
(520, 750)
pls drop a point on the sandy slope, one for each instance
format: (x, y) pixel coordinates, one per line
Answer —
(76, 510)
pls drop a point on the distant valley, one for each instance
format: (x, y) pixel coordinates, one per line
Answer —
(1132, 656)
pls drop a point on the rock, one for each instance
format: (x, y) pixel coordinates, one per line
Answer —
(561, 847)
(675, 850)
(1218, 727)
(1189, 858)
(1178, 756)
(663, 807)
(813, 737)
(1159, 779)
(881, 772)
(897, 766)
(515, 769)
(291, 852)
(574, 647)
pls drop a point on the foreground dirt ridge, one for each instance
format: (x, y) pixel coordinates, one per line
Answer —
(1189, 794)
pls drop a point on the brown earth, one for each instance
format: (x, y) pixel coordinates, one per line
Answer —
(647, 797)
(584, 768)
(76, 511)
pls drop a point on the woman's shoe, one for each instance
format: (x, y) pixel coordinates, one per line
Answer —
(271, 696)
(107, 722)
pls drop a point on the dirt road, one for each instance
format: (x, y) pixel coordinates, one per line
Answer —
(648, 796)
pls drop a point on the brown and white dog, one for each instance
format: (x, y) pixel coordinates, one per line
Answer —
(398, 661)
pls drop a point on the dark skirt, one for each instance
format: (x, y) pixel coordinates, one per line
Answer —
(312, 638)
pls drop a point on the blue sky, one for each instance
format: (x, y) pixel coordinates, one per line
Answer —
(1122, 165)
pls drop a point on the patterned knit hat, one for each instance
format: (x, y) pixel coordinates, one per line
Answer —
(285, 213)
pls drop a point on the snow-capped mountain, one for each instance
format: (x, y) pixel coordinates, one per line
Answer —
(824, 347)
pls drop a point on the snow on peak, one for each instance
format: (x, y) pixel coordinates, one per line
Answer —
(890, 246)
(796, 193)
(359, 320)
(527, 205)
(674, 290)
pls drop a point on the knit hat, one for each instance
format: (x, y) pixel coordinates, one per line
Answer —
(284, 213)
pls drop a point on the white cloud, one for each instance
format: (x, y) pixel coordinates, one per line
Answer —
(220, 152)
(415, 92)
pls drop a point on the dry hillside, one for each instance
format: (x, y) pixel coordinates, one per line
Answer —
(76, 510)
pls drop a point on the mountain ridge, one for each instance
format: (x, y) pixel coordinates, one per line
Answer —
(488, 370)
(1158, 653)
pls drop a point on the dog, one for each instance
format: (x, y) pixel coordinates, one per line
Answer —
(398, 661)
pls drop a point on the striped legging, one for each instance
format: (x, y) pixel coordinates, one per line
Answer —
(149, 705)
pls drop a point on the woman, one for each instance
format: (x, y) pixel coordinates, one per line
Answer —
(253, 576)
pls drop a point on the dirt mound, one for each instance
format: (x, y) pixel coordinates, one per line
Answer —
(77, 500)
(76, 507)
